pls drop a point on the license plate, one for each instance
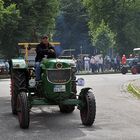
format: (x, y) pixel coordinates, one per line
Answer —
(59, 88)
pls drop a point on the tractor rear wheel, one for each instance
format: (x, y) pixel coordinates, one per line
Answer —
(13, 97)
(13, 104)
(88, 112)
(23, 110)
(18, 80)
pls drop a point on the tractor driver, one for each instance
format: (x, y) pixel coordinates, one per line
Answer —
(43, 50)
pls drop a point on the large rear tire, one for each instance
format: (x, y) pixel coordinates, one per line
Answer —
(23, 110)
(13, 104)
(88, 112)
(18, 80)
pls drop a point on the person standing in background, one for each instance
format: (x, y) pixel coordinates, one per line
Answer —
(93, 64)
(87, 63)
(101, 63)
(123, 61)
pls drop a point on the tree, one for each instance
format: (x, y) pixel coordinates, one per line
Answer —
(36, 18)
(103, 37)
(9, 17)
(72, 28)
(119, 15)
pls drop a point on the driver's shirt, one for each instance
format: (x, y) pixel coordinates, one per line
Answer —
(42, 51)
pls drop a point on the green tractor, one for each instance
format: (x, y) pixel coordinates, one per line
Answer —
(133, 63)
(58, 86)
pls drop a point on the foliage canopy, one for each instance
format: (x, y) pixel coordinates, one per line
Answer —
(25, 20)
(122, 17)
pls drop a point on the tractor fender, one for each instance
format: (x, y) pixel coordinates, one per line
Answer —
(82, 96)
(18, 64)
(84, 91)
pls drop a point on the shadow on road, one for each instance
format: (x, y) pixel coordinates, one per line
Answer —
(45, 123)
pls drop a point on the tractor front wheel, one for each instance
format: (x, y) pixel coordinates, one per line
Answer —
(88, 111)
(23, 110)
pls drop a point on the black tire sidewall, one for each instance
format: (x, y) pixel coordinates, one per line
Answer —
(24, 106)
(124, 70)
(89, 111)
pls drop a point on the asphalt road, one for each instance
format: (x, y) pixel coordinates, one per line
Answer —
(117, 118)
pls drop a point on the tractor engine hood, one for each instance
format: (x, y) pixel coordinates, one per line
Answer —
(57, 63)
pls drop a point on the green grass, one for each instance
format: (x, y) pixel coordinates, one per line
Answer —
(133, 90)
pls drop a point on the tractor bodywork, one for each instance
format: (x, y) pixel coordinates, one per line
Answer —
(132, 64)
(56, 87)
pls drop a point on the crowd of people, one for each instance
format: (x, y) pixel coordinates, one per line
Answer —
(4, 66)
(98, 63)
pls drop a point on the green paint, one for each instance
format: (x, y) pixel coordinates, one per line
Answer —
(133, 90)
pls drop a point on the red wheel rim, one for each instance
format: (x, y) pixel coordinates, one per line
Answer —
(11, 87)
(19, 110)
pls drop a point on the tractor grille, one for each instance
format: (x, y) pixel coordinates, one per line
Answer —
(59, 76)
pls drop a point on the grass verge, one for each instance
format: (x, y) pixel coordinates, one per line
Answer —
(133, 90)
